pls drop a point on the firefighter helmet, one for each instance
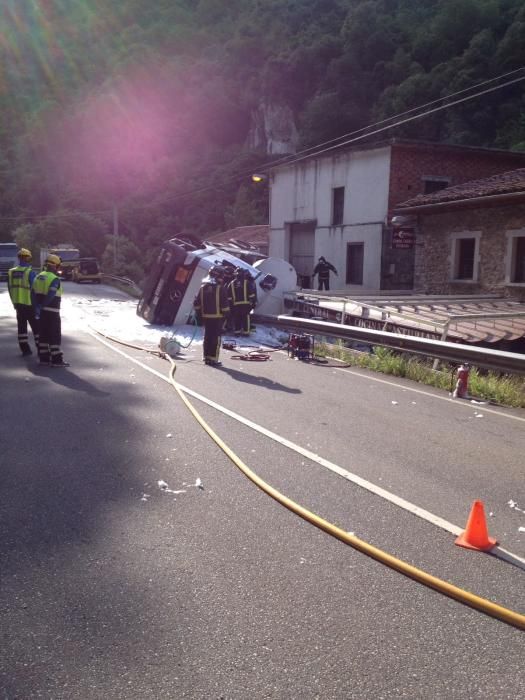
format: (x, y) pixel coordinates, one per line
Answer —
(216, 272)
(24, 253)
(53, 259)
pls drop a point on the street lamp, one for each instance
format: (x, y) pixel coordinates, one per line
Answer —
(259, 177)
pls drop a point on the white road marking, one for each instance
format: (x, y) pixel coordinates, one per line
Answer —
(465, 403)
(349, 476)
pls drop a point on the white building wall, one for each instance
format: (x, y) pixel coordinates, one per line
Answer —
(303, 191)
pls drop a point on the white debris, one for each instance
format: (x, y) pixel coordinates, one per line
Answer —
(413, 403)
(169, 435)
(513, 504)
(480, 403)
(521, 529)
(198, 483)
(145, 497)
(27, 379)
(478, 415)
(163, 486)
(394, 403)
(491, 514)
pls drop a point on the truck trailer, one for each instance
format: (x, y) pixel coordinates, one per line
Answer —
(68, 254)
(8, 258)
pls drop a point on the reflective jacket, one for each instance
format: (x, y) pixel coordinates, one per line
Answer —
(46, 291)
(212, 301)
(19, 280)
(243, 292)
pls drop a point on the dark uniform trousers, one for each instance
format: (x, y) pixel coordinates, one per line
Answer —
(25, 314)
(241, 318)
(324, 283)
(212, 338)
(50, 337)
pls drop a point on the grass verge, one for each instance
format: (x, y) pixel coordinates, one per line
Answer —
(503, 389)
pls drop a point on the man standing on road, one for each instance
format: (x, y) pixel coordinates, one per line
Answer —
(243, 295)
(46, 294)
(322, 270)
(212, 306)
(19, 281)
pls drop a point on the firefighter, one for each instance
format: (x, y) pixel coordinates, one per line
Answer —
(46, 294)
(19, 281)
(322, 270)
(212, 307)
(228, 271)
(243, 295)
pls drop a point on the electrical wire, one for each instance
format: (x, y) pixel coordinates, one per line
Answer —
(313, 150)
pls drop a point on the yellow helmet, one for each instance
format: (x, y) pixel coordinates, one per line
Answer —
(53, 259)
(24, 253)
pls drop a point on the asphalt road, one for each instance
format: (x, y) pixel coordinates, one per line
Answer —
(114, 588)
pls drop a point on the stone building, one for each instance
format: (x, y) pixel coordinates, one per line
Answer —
(338, 203)
(470, 238)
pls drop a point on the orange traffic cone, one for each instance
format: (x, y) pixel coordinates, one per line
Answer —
(476, 535)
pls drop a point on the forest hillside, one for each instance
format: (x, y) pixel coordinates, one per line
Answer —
(158, 111)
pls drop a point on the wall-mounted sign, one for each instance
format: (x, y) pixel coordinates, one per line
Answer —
(403, 237)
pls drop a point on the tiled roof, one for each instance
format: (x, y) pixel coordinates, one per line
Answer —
(511, 182)
(254, 235)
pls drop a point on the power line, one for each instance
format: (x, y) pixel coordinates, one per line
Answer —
(318, 149)
(302, 155)
(294, 159)
(402, 114)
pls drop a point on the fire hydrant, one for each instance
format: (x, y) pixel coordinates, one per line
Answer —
(461, 390)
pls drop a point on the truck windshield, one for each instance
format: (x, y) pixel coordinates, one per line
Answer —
(67, 254)
(8, 251)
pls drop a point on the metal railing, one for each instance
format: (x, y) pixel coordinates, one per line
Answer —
(486, 358)
(123, 280)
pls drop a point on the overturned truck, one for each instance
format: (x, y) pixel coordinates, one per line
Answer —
(182, 264)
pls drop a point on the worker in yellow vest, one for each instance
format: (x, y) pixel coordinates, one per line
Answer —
(19, 281)
(46, 294)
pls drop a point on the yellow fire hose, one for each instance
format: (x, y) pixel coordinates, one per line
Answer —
(474, 601)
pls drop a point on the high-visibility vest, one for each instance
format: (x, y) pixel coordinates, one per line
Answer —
(212, 301)
(42, 283)
(242, 292)
(18, 284)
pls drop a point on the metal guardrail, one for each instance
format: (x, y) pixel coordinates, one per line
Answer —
(449, 352)
(123, 280)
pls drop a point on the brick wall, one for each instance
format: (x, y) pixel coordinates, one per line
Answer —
(410, 163)
(434, 249)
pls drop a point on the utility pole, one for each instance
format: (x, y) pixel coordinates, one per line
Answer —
(115, 237)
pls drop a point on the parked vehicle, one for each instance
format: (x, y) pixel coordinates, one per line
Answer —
(87, 270)
(67, 253)
(8, 258)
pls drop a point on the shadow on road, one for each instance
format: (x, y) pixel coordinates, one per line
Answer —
(257, 380)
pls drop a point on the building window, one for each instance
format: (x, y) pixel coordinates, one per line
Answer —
(338, 205)
(519, 260)
(354, 263)
(434, 184)
(465, 252)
